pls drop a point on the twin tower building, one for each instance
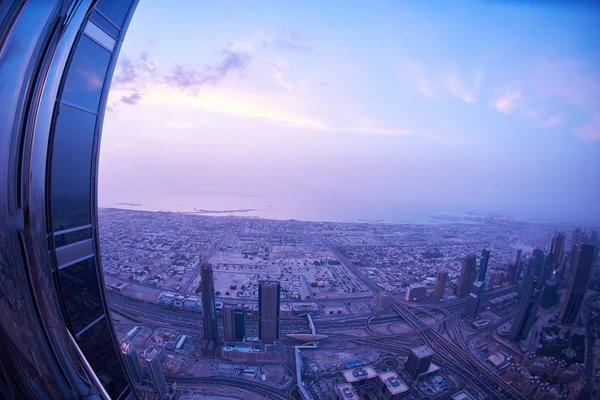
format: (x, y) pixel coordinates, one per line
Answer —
(234, 321)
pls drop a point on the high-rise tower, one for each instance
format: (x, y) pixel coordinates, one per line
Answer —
(234, 324)
(132, 362)
(577, 286)
(519, 264)
(153, 357)
(467, 275)
(511, 273)
(538, 263)
(440, 285)
(525, 310)
(483, 265)
(268, 311)
(557, 249)
(209, 312)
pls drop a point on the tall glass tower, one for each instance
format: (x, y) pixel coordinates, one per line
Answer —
(57, 59)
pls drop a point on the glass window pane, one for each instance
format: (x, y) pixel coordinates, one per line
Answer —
(104, 24)
(79, 286)
(114, 10)
(71, 168)
(72, 237)
(101, 37)
(86, 74)
(97, 346)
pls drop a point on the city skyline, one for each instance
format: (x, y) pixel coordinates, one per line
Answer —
(285, 100)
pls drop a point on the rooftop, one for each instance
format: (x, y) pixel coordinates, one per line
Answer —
(393, 382)
(346, 391)
(358, 374)
(422, 351)
(242, 348)
(462, 395)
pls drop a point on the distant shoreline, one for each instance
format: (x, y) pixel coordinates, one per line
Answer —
(243, 210)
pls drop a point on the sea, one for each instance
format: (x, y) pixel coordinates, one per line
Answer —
(285, 208)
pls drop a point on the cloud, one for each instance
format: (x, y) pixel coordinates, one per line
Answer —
(417, 76)
(281, 81)
(507, 99)
(277, 111)
(591, 130)
(134, 71)
(574, 82)
(465, 89)
(132, 99)
(552, 121)
(292, 40)
(194, 77)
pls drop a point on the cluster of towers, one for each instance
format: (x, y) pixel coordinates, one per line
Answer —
(234, 329)
(538, 277)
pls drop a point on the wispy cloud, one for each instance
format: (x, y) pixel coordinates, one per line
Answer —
(415, 73)
(134, 71)
(132, 99)
(465, 88)
(574, 82)
(290, 39)
(193, 77)
(591, 130)
(262, 106)
(507, 98)
(552, 121)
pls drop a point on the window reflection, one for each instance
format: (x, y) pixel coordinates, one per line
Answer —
(104, 24)
(84, 83)
(71, 168)
(114, 10)
(81, 292)
(97, 346)
(72, 237)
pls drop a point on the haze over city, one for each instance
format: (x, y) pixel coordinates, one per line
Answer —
(330, 111)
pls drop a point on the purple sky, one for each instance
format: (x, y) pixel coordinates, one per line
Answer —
(492, 106)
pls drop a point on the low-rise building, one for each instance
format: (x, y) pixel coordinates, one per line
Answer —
(416, 292)
(345, 391)
(360, 378)
(391, 386)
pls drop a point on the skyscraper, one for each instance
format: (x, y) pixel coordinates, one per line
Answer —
(268, 311)
(549, 294)
(473, 304)
(578, 284)
(419, 360)
(547, 271)
(557, 249)
(132, 362)
(519, 265)
(526, 308)
(234, 324)
(153, 357)
(467, 275)
(440, 285)
(538, 263)
(577, 238)
(511, 273)
(483, 265)
(209, 312)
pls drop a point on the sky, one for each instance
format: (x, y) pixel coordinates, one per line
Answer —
(491, 106)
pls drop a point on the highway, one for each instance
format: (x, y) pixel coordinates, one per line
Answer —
(244, 384)
(463, 362)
